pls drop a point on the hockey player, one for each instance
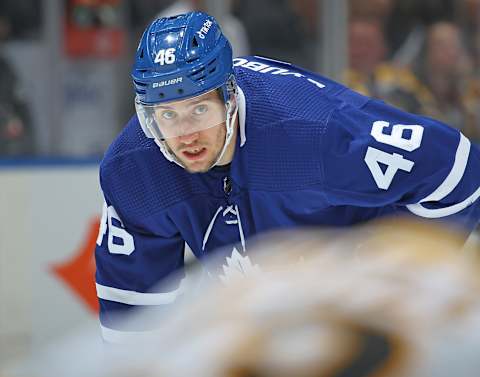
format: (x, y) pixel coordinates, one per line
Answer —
(218, 152)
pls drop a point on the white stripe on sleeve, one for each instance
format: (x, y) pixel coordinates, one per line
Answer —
(447, 186)
(122, 337)
(137, 298)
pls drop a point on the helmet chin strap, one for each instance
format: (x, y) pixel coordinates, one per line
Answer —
(232, 110)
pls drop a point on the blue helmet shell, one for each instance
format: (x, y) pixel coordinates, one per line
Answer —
(180, 57)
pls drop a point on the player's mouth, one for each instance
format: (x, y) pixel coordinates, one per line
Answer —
(195, 154)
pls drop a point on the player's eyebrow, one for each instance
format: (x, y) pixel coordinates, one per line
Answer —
(198, 100)
(164, 107)
(190, 104)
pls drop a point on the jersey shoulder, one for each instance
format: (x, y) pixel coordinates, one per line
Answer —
(287, 112)
(130, 140)
(277, 91)
(379, 154)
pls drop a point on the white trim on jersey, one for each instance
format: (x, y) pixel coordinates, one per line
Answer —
(242, 113)
(419, 210)
(447, 186)
(137, 298)
(121, 337)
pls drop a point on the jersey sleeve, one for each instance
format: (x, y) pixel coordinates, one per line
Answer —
(130, 263)
(378, 155)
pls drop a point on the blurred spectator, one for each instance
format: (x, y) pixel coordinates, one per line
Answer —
(20, 19)
(307, 10)
(444, 69)
(405, 22)
(369, 72)
(373, 10)
(440, 85)
(275, 30)
(469, 21)
(406, 26)
(16, 135)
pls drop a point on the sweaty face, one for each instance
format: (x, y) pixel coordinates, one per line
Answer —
(198, 150)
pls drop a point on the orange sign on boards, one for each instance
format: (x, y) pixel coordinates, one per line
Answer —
(78, 273)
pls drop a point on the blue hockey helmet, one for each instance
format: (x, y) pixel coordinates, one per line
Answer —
(180, 57)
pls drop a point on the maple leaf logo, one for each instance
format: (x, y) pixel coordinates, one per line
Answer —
(238, 266)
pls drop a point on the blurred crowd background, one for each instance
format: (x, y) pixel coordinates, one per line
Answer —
(65, 88)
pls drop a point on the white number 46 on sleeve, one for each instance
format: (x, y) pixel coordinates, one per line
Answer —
(126, 245)
(394, 161)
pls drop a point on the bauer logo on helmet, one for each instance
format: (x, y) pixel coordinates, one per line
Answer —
(174, 81)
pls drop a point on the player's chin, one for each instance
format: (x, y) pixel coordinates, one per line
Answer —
(197, 166)
(194, 170)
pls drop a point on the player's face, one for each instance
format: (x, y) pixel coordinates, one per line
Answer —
(199, 150)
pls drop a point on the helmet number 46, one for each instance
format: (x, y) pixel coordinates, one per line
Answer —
(165, 56)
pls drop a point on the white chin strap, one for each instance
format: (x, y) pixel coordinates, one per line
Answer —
(232, 109)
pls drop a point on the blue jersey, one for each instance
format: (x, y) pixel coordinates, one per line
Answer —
(310, 152)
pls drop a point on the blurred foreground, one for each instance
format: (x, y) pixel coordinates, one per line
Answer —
(392, 299)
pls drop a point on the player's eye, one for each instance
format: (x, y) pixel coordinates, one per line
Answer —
(200, 109)
(169, 115)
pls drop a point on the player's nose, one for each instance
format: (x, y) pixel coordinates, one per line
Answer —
(189, 138)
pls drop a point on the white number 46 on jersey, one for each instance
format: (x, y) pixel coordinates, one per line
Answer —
(394, 161)
(125, 244)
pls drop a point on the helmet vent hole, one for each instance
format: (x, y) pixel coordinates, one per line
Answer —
(212, 70)
(161, 95)
(180, 91)
(141, 54)
(195, 42)
(198, 74)
(139, 83)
